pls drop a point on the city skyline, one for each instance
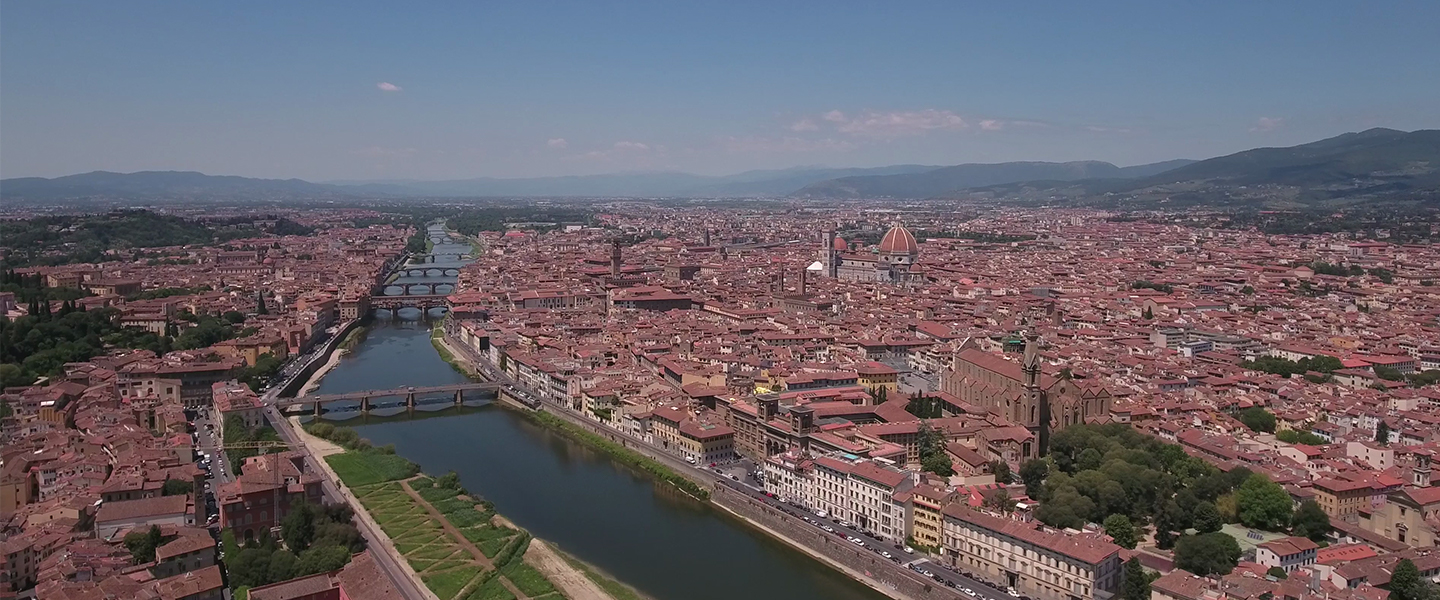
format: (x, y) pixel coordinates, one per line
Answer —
(320, 93)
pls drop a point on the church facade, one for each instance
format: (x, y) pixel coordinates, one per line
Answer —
(1020, 393)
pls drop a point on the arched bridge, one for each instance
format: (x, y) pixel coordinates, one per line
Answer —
(423, 302)
(413, 271)
(408, 289)
(435, 258)
(367, 398)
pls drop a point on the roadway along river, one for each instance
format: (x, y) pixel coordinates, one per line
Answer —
(668, 546)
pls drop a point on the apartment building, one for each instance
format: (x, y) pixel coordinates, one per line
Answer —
(850, 489)
(1038, 562)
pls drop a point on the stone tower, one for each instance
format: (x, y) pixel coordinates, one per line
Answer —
(1034, 395)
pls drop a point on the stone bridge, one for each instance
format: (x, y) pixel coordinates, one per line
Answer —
(414, 271)
(411, 396)
(420, 301)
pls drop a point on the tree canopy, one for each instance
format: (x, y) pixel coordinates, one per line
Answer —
(1207, 553)
(1263, 504)
(1101, 470)
(1258, 419)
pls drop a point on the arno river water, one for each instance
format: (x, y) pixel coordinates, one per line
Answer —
(668, 546)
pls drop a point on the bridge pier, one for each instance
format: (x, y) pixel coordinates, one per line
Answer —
(319, 410)
(364, 405)
(410, 402)
(459, 398)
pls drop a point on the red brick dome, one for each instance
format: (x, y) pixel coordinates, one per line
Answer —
(841, 245)
(899, 241)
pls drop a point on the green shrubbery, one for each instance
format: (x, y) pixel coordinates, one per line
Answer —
(622, 454)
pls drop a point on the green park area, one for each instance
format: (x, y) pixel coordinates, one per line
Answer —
(450, 538)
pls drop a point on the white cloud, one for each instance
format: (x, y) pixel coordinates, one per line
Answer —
(386, 86)
(558, 143)
(1268, 124)
(896, 123)
(639, 153)
(992, 125)
(629, 146)
(804, 125)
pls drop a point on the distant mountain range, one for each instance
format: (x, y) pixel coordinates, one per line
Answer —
(160, 184)
(750, 183)
(1364, 164)
(946, 180)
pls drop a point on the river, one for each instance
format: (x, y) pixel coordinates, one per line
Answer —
(668, 546)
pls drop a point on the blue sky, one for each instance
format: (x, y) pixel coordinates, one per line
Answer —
(430, 90)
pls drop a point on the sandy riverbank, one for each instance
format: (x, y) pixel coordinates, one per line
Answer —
(573, 583)
(314, 382)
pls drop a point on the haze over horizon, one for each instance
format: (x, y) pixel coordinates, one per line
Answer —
(326, 91)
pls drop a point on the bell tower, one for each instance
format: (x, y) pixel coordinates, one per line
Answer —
(1034, 395)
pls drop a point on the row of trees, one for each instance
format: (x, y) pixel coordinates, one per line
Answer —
(1280, 366)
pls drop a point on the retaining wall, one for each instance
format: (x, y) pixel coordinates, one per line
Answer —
(882, 573)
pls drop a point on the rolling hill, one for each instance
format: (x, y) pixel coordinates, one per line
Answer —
(161, 184)
(947, 180)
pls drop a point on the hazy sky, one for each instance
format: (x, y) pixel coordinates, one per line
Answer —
(430, 90)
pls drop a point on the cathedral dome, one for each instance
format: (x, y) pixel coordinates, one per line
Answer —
(899, 241)
(840, 245)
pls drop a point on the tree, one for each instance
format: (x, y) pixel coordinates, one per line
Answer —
(1206, 518)
(1310, 521)
(1001, 470)
(298, 527)
(177, 487)
(251, 567)
(1168, 521)
(1258, 419)
(1293, 436)
(282, 566)
(1033, 473)
(142, 545)
(1119, 528)
(1388, 373)
(1382, 433)
(932, 451)
(1277, 573)
(1137, 581)
(449, 481)
(1405, 582)
(1263, 504)
(322, 559)
(1207, 553)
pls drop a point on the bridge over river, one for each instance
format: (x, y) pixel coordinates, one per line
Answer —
(406, 397)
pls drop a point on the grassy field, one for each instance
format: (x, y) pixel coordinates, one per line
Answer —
(442, 561)
(358, 469)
